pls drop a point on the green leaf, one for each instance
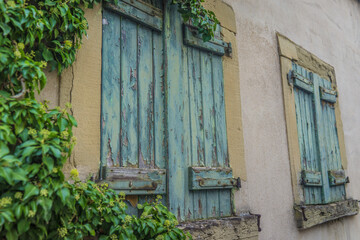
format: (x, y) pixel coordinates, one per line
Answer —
(47, 55)
(23, 225)
(49, 162)
(4, 150)
(30, 190)
(6, 173)
(19, 174)
(12, 234)
(64, 194)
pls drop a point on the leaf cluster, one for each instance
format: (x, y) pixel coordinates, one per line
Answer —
(204, 20)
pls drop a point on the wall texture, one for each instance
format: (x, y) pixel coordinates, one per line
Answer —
(330, 29)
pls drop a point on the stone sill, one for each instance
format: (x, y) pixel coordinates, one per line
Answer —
(229, 228)
(308, 216)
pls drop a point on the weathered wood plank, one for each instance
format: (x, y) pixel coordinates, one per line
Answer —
(177, 112)
(145, 98)
(214, 46)
(219, 108)
(129, 94)
(212, 201)
(211, 178)
(159, 102)
(110, 91)
(308, 216)
(136, 181)
(144, 14)
(196, 111)
(311, 178)
(306, 136)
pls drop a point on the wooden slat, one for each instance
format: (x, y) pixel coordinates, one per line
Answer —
(145, 98)
(311, 178)
(129, 94)
(307, 136)
(219, 108)
(214, 46)
(328, 95)
(177, 113)
(211, 178)
(110, 92)
(136, 181)
(196, 128)
(159, 101)
(337, 177)
(145, 15)
(332, 151)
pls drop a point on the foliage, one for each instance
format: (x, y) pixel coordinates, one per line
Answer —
(34, 34)
(36, 202)
(204, 20)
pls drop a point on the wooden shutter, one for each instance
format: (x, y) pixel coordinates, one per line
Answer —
(200, 180)
(330, 151)
(322, 175)
(163, 111)
(133, 112)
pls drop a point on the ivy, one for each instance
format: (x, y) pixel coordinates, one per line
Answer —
(205, 20)
(36, 201)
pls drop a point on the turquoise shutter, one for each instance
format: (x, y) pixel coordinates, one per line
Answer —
(330, 151)
(163, 121)
(133, 113)
(322, 176)
(200, 179)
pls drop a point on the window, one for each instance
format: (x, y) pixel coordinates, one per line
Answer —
(315, 138)
(163, 122)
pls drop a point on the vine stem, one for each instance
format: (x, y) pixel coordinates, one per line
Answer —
(23, 90)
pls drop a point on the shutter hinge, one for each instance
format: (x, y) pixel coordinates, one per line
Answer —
(228, 50)
(238, 183)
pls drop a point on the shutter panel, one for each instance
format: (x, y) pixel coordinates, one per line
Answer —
(133, 116)
(328, 132)
(308, 144)
(322, 175)
(200, 179)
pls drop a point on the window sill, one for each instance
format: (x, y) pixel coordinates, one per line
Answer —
(308, 216)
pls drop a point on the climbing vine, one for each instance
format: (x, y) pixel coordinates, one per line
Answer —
(36, 201)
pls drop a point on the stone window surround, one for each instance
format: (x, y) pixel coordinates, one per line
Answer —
(308, 216)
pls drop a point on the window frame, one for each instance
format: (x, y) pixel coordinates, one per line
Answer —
(308, 215)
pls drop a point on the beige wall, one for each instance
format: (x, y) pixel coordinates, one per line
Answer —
(81, 86)
(329, 29)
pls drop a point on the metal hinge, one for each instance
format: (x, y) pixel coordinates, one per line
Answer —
(238, 183)
(228, 50)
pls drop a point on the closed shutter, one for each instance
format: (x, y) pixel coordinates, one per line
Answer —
(322, 176)
(200, 184)
(133, 111)
(163, 121)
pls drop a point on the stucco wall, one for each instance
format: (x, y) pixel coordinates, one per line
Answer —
(330, 29)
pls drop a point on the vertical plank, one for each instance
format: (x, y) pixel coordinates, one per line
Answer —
(321, 140)
(129, 94)
(224, 196)
(177, 113)
(212, 197)
(306, 136)
(110, 91)
(145, 98)
(159, 102)
(332, 143)
(196, 127)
